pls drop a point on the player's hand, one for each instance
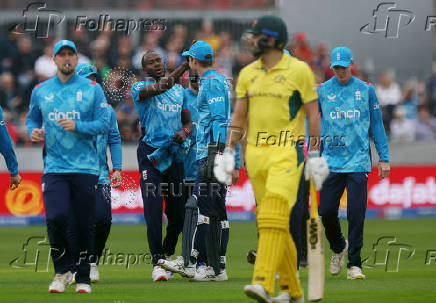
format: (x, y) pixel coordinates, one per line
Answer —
(384, 169)
(180, 136)
(316, 168)
(37, 135)
(116, 176)
(224, 166)
(67, 124)
(235, 176)
(15, 181)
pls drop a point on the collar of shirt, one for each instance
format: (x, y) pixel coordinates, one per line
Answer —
(71, 80)
(282, 64)
(208, 73)
(350, 82)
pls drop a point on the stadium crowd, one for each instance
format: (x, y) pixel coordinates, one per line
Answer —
(409, 109)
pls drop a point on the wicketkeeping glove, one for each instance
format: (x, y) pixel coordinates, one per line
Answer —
(224, 166)
(316, 168)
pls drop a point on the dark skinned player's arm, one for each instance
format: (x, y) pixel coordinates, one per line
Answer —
(163, 84)
(238, 124)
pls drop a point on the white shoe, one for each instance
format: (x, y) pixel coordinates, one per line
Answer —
(159, 274)
(178, 266)
(94, 276)
(222, 276)
(338, 260)
(60, 281)
(83, 288)
(285, 297)
(355, 272)
(204, 274)
(257, 292)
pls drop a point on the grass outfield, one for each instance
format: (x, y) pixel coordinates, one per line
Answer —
(414, 282)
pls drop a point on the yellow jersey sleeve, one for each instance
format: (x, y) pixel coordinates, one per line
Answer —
(241, 85)
(307, 87)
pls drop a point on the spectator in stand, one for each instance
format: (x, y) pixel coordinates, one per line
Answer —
(207, 34)
(10, 99)
(425, 125)
(300, 48)
(389, 95)
(8, 49)
(431, 91)
(45, 67)
(98, 56)
(23, 62)
(150, 43)
(409, 101)
(123, 50)
(79, 37)
(402, 129)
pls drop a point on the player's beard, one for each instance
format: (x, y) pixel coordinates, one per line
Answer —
(67, 73)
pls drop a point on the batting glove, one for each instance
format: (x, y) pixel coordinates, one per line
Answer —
(224, 166)
(316, 168)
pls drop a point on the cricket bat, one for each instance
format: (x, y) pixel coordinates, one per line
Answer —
(315, 250)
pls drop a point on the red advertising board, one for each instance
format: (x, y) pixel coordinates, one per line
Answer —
(407, 187)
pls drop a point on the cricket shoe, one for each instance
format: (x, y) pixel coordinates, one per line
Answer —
(159, 274)
(285, 297)
(222, 276)
(338, 260)
(354, 273)
(178, 266)
(60, 281)
(94, 276)
(204, 274)
(258, 293)
(82, 288)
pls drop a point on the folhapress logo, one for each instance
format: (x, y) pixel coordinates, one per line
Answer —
(34, 15)
(388, 20)
(344, 114)
(175, 108)
(56, 115)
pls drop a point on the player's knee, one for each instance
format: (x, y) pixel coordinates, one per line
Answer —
(274, 212)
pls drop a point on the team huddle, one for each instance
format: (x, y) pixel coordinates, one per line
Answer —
(191, 143)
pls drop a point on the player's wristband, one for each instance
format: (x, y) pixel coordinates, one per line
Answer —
(187, 132)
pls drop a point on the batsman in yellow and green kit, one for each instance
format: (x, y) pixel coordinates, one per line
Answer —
(274, 94)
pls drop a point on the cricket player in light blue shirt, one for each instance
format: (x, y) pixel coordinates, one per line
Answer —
(165, 124)
(103, 212)
(350, 115)
(8, 153)
(67, 112)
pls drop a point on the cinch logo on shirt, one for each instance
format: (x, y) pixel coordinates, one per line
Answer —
(214, 100)
(54, 116)
(342, 114)
(175, 108)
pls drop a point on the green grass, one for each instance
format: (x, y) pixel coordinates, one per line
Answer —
(414, 282)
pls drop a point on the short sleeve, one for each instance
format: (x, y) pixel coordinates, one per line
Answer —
(308, 89)
(241, 85)
(136, 88)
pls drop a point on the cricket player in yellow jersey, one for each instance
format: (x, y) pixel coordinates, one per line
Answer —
(274, 94)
